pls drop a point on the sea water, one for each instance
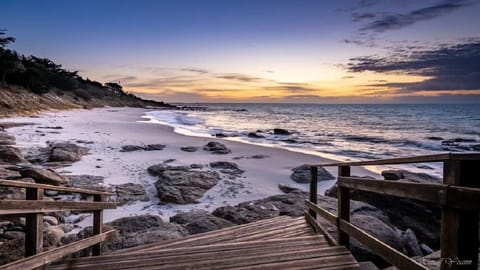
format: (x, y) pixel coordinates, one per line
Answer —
(341, 132)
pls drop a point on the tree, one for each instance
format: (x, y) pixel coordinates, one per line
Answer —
(4, 41)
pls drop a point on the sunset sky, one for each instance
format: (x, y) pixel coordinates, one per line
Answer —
(368, 51)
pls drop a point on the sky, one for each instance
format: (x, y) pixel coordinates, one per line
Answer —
(298, 51)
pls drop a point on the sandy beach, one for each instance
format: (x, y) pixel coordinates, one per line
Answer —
(104, 131)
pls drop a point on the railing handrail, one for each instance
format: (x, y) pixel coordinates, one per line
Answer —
(404, 160)
(458, 196)
(19, 184)
(33, 208)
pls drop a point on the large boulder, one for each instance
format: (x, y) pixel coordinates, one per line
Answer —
(158, 169)
(200, 221)
(183, 187)
(129, 193)
(85, 181)
(133, 231)
(226, 167)
(217, 148)
(281, 131)
(10, 154)
(43, 176)
(301, 174)
(66, 152)
(411, 244)
(52, 236)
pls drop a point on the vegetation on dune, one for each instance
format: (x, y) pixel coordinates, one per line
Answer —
(41, 76)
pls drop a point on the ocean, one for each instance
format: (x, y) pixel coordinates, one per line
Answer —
(341, 132)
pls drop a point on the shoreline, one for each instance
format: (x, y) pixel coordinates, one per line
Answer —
(107, 129)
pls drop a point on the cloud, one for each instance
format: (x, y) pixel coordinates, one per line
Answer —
(454, 67)
(195, 70)
(357, 17)
(239, 77)
(397, 21)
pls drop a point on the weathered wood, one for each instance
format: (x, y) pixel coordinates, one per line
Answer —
(404, 160)
(9, 207)
(97, 226)
(322, 212)
(433, 193)
(463, 198)
(459, 234)
(313, 188)
(19, 184)
(319, 228)
(33, 225)
(388, 253)
(343, 198)
(47, 257)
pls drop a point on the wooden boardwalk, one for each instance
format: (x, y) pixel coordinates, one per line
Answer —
(277, 243)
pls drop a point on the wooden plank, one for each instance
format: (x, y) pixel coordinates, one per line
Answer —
(298, 241)
(9, 207)
(192, 254)
(433, 193)
(459, 233)
(319, 228)
(388, 253)
(313, 188)
(33, 225)
(19, 184)
(56, 253)
(322, 212)
(463, 198)
(403, 160)
(343, 200)
(97, 226)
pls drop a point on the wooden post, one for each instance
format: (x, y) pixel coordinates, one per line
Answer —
(97, 226)
(459, 233)
(33, 225)
(313, 189)
(343, 197)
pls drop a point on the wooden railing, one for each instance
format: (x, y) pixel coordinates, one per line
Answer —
(33, 208)
(458, 196)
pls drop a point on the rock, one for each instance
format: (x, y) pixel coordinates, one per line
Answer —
(50, 220)
(52, 236)
(66, 152)
(259, 156)
(216, 148)
(85, 181)
(227, 167)
(134, 231)
(130, 192)
(11, 235)
(55, 127)
(281, 131)
(131, 148)
(196, 166)
(9, 172)
(221, 135)
(43, 176)
(10, 154)
(200, 221)
(184, 187)
(154, 147)
(156, 170)
(301, 174)
(190, 148)
(255, 135)
(410, 243)
(409, 176)
(426, 250)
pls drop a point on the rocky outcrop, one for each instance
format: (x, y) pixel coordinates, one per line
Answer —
(411, 244)
(43, 176)
(407, 176)
(129, 193)
(6, 139)
(301, 174)
(85, 181)
(190, 148)
(67, 152)
(216, 148)
(158, 169)
(200, 221)
(184, 186)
